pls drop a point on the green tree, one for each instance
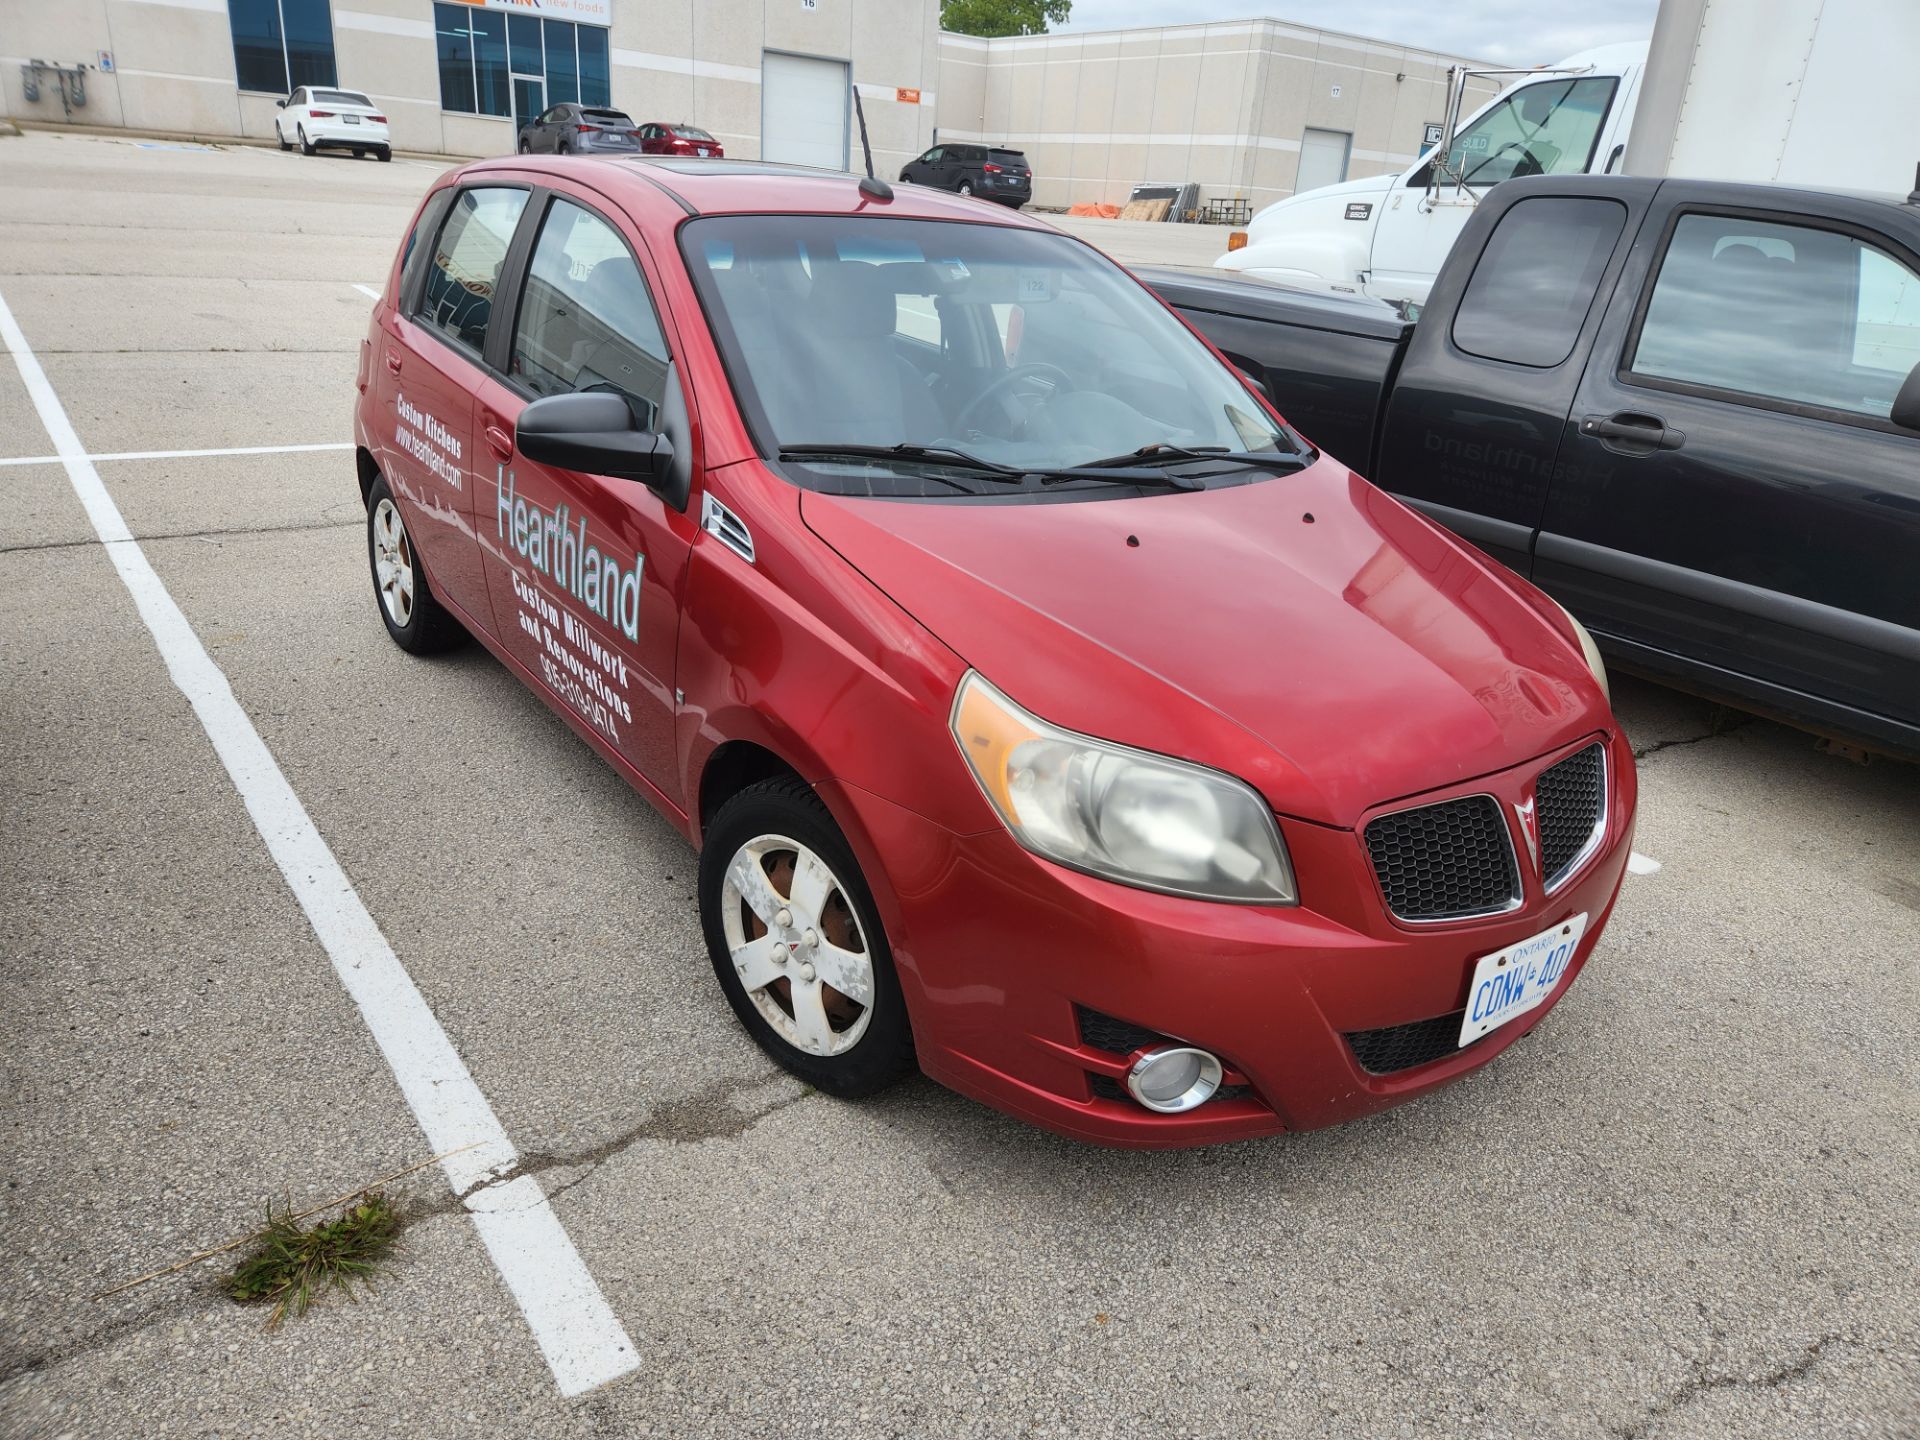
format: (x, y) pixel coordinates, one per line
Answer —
(1003, 17)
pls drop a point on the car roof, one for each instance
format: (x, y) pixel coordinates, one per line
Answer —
(744, 187)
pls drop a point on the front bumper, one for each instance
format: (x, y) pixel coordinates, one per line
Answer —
(1001, 954)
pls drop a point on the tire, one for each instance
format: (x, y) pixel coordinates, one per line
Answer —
(281, 136)
(358, 153)
(384, 154)
(965, 187)
(413, 617)
(525, 148)
(765, 836)
(306, 147)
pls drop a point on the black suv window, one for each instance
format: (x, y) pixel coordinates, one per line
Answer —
(1535, 281)
(587, 321)
(466, 263)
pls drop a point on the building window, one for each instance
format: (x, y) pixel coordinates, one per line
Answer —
(280, 45)
(493, 63)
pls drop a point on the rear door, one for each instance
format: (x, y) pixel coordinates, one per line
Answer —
(1474, 421)
(1747, 504)
(585, 573)
(433, 346)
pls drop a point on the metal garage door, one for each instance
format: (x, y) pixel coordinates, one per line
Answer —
(803, 110)
(1323, 159)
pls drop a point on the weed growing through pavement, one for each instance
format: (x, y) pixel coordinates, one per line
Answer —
(291, 1266)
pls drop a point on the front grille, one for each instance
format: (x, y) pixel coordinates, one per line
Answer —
(1448, 861)
(1401, 1047)
(1571, 802)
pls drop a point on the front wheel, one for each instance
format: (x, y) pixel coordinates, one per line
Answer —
(416, 620)
(797, 945)
(526, 148)
(281, 136)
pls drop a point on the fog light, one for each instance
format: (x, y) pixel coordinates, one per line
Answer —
(1173, 1078)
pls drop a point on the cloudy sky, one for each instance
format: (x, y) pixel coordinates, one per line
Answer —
(1516, 32)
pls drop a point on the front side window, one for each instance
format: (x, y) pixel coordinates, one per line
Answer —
(1547, 128)
(1536, 280)
(466, 263)
(281, 45)
(481, 50)
(587, 321)
(1018, 347)
(932, 157)
(1781, 312)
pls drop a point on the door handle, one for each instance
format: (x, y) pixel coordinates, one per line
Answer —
(393, 362)
(1630, 428)
(500, 442)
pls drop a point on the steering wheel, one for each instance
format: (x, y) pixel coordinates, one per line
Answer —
(1042, 381)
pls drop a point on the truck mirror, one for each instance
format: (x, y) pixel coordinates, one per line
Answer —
(1906, 405)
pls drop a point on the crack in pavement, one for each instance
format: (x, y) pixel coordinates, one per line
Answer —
(1701, 1382)
(1718, 728)
(188, 535)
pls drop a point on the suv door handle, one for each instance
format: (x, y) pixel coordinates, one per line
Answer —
(500, 442)
(1633, 429)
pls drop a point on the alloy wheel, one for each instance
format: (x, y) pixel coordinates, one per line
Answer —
(796, 945)
(393, 563)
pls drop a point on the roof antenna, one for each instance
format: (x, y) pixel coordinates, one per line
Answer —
(1913, 195)
(872, 186)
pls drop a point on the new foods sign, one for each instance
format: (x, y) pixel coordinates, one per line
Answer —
(596, 12)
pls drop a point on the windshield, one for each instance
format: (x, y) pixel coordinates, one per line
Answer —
(1547, 128)
(1020, 348)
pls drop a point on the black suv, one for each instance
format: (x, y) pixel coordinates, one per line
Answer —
(578, 130)
(982, 170)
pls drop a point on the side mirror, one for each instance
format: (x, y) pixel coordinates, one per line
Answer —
(279, 104)
(1906, 405)
(591, 432)
(1254, 382)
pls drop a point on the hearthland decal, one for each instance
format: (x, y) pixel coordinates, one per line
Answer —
(556, 547)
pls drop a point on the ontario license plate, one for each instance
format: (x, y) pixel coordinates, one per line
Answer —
(351, 119)
(1510, 982)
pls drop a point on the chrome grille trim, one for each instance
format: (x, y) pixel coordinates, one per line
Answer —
(1553, 882)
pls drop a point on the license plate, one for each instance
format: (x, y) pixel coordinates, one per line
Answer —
(351, 119)
(705, 151)
(1510, 982)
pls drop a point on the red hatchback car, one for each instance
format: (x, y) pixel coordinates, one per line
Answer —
(1047, 713)
(682, 139)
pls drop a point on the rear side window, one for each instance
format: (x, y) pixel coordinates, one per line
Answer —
(587, 321)
(1781, 312)
(1536, 280)
(466, 263)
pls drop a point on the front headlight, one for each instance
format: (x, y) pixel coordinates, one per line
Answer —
(1122, 814)
(1588, 649)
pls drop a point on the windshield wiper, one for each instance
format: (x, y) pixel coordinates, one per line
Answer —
(937, 454)
(1267, 459)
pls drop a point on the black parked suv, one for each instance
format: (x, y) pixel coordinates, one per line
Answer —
(578, 130)
(983, 170)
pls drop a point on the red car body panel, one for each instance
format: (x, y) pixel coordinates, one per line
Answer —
(1305, 633)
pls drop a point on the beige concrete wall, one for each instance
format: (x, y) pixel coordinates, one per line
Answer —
(674, 60)
(1221, 105)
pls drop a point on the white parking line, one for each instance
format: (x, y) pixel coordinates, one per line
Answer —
(1638, 864)
(577, 1332)
(182, 454)
(366, 290)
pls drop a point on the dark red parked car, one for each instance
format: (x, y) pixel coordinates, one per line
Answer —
(1047, 713)
(681, 139)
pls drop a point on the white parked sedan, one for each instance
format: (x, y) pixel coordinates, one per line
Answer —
(320, 119)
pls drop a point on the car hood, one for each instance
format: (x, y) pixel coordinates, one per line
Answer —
(1305, 632)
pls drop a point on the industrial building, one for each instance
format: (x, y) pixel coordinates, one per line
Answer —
(1246, 109)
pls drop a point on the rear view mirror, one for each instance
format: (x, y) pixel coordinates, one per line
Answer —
(1906, 405)
(591, 432)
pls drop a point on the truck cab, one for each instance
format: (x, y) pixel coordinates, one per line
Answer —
(1387, 235)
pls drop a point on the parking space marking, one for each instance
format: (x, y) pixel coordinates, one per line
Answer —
(366, 290)
(582, 1341)
(183, 454)
(1638, 864)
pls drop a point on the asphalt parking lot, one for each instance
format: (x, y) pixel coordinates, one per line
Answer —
(1686, 1206)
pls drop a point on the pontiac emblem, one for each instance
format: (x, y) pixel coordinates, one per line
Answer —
(1529, 827)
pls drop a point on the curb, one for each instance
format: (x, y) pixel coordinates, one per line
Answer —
(221, 142)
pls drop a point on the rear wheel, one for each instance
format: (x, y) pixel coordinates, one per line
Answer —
(796, 943)
(385, 154)
(414, 618)
(965, 187)
(306, 146)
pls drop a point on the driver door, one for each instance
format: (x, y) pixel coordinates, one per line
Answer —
(585, 573)
(1550, 127)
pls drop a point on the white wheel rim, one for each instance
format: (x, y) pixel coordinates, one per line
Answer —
(393, 563)
(799, 951)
